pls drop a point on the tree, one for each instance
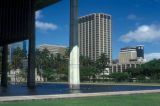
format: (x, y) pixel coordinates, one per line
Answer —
(51, 66)
(152, 69)
(43, 63)
(87, 69)
(18, 56)
(119, 77)
(149, 70)
(102, 64)
(39, 61)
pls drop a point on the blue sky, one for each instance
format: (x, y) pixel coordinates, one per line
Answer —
(134, 22)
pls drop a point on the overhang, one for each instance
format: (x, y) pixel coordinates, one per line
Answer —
(17, 19)
(44, 3)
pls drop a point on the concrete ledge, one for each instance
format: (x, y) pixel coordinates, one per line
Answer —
(76, 95)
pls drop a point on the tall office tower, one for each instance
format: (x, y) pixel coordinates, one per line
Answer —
(140, 51)
(95, 35)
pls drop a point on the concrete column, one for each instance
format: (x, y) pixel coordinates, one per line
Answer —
(31, 56)
(74, 77)
(31, 63)
(4, 66)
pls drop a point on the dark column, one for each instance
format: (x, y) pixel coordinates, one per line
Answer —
(31, 55)
(31, 63)
(4, 66)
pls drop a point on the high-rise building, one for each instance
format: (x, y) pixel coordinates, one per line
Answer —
(140, 51)
(95, 35)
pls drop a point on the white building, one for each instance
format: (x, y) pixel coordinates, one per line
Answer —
(95, 35)
(18, 76)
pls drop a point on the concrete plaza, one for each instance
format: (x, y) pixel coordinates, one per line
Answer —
(75, 95)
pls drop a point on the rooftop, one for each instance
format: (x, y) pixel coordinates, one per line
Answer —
(95, 14)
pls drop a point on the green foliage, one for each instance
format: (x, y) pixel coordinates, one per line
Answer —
(22, 75)
(119, 77)
(102, 63)
(146, 72)
(18, 56)
(48, 74)
(51, 66)
(88, 69)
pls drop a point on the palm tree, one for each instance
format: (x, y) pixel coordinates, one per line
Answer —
(51, 66)
(43, 62)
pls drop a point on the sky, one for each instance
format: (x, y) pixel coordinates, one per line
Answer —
(134, 22)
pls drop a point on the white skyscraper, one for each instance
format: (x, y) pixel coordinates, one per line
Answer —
(95, 35)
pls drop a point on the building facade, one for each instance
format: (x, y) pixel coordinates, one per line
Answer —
(131, 54)
(95, 35)
(130, 57)
(122, 67)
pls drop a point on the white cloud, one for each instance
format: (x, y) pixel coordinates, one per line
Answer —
(144, 33)
(38, 15)
(45, 25)
(152, 56)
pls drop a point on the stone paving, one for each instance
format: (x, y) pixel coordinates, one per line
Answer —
(75, 95)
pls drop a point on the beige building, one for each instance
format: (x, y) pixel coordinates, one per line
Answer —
(129, 57)
(122, 67)
(127, 54)
(95, 35)
(131, 54)
(53, 49)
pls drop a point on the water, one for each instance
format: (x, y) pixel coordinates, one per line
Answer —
(48, 89)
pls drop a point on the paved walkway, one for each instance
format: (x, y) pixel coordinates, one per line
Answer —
(76, 95)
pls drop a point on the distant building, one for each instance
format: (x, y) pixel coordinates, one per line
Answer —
(131, 54)
(140, 52)
(95, 35)
(122, 67)
(16, 76)
(53, 49)
(130, 57)
(13, 46)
